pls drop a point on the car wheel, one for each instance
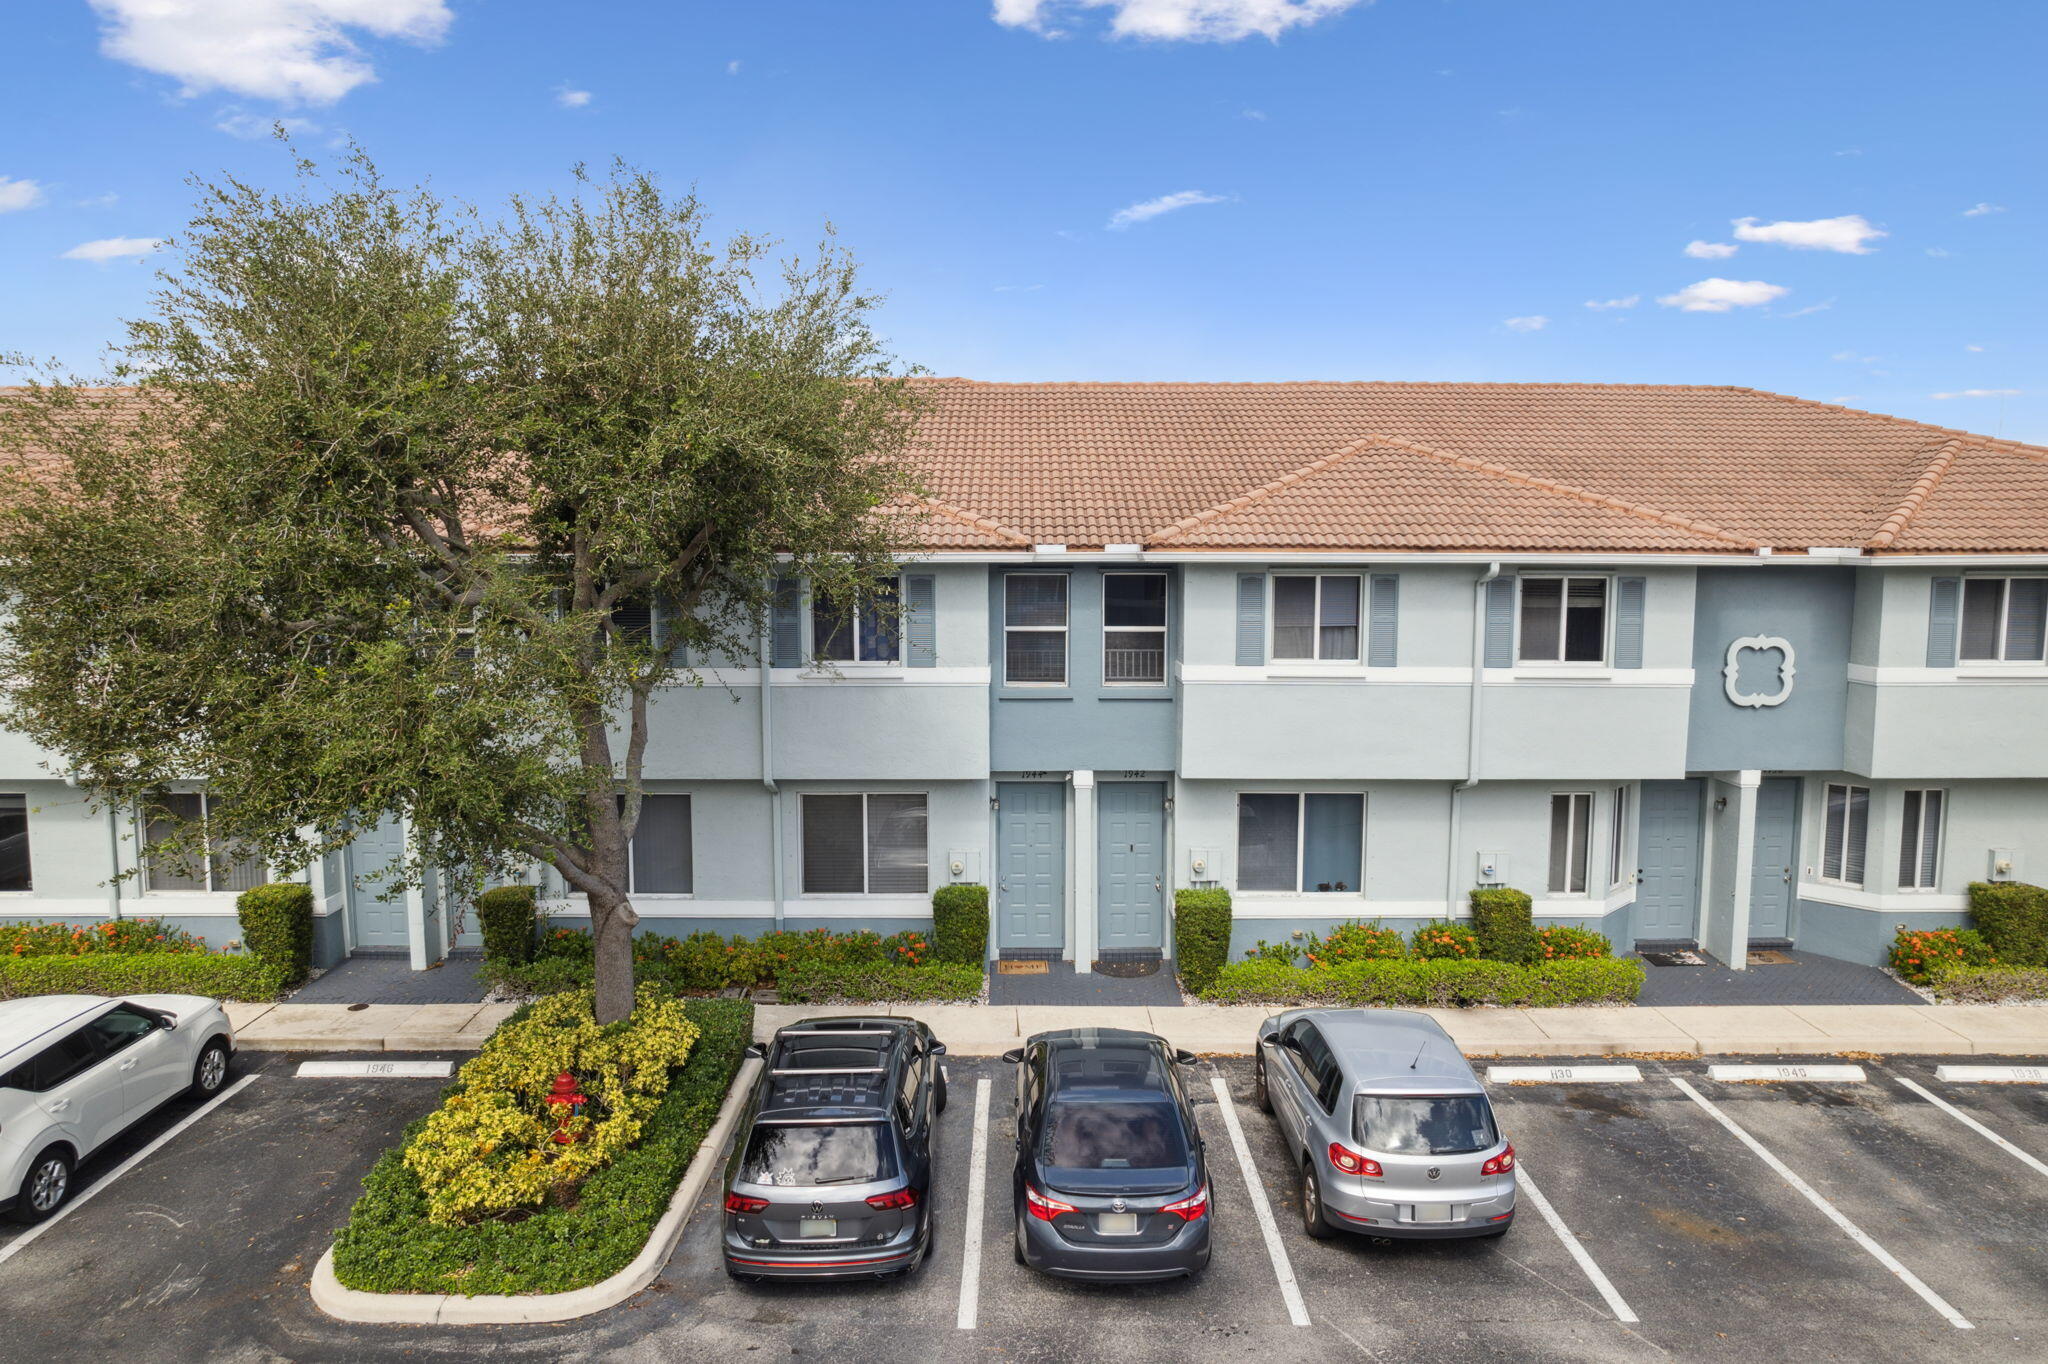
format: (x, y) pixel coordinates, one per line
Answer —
(1259, 1094)
(45, 1187)
(210, 1072)
(939, 1092)
(1313, 1220)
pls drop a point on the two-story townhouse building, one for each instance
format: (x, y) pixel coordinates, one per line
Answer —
(1687, 664)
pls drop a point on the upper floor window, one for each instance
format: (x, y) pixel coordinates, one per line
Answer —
(1312, 842)
(865, 844)
(662, 862)
(1846, 830)
(1134, 629)
(1035, 629)
(1315, 616)
(1920, 839)
(1571, 835)
(224, 868)
(864, 632)
(1564, 620)
(2005, 620)
(14, 867)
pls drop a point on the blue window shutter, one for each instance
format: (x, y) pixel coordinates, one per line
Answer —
(1383, 644)
(1628, 622)
(785, 638)
(1942, 607)
(920, 622)
(1500, 623)
(1251, 620)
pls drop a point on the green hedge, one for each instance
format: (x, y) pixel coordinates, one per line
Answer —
(818, 982)
(1201, 936)
(1425, 983)
(960, 925)
(2013, 917)
(277, 925)
(144, 973)
(1988, 984)
(389, 1246)
(505, 916)
(1502, 918)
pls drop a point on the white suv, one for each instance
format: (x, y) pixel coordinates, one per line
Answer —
(77, 1069)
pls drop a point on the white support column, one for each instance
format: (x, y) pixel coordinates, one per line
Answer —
(1726, 908)
(416, 925)
(1084, 942)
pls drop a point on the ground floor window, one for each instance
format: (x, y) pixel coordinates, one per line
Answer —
(1300, 841)
(865, 845)
(1846, 828)
(1571, 832)
(1617, 839)
(662, 859)
(1920, 839)
(223, 868)
(14, 867)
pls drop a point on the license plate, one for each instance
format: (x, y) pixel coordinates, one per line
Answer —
(1116, 1224)
(817, 1226)
(1432, 1212)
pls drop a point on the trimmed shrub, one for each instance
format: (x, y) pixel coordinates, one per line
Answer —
(220, 975)
(1445, 940)
(1562, 942)
(1918, 952)
(2013, 917)
(41, 939)
(1502, 919)
(1355, 942)
(506, 916)
(277, 925)
(960, 924)
(1201, 936)
(1431, 983)
(818, 982)
(1988, 984)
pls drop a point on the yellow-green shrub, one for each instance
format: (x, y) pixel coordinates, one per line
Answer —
(490, 1149)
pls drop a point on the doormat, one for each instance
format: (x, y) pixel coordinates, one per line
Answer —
(1128, 970)
(1674, 959)
(1007, 967)
(1770, 956)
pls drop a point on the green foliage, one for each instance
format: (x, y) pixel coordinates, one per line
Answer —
(704, 963)
(506, 916)
(1917, 953)
(277, 925)
(1502, 919)
(1355, 942)
(1445, 940)
(1430, 983)
(1282, 952)
(390, 1246)
(1201, 936)
(1562, 942)
(2013, 917)
(960, 924)
(144, 973)
(1956, 984)
(816, 982)
(40, 939)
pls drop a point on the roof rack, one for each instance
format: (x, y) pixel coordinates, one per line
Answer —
(830, 1070)
(836, 1032)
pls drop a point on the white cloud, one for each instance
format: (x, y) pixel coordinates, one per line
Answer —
(1977, 393)
(107, 200)
(1974, 350)
(1699, 250)
(1849, 234)
(16, 195)
(294, 50)
(1939, 252)
(1850, 151)
(732, 68)
(1526, 324)
(1218, 21)
(571, 99)
(250, 127)
(1819, 307)
(1718, 295)
(1165, 203)
(1626, 301)
(114, 248)
(1255, 115)
(1978, 210)
(1853, 358)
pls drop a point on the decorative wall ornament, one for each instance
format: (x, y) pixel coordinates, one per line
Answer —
(1732, 674)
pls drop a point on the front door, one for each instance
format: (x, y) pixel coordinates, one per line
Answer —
(1031, 851)
(1771, 865)
(377, 922)
(1132, 860)
(1668, 862)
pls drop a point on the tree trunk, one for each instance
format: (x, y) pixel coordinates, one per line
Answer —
(611, 931)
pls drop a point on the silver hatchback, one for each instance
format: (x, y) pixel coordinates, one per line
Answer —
(1387, 1123)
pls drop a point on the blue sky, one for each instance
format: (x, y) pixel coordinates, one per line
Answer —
(1310, 189)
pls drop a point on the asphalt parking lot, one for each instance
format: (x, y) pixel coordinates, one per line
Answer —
(1683, 1195)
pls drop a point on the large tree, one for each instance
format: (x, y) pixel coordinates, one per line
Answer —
(373, 518)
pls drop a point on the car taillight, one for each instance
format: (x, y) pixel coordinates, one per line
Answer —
(1043, 1208)
(1188, 1209)
(738, 1202)
(1500, 1164)
(895, 1200)
(1352, 1163)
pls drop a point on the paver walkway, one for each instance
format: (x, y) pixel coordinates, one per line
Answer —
(1061, 986)
(1809, 979)
(380, 979)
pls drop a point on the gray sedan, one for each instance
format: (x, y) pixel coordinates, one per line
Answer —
(1390, 1128)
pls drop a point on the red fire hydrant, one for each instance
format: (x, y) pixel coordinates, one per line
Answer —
(568, 1095)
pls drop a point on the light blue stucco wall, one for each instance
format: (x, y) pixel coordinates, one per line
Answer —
(1809, 608)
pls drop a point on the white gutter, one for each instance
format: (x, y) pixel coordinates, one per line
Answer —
(1739, 557)
(768, 773)
(1474, 715)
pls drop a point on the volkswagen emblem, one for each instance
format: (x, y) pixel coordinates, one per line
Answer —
(820, 1207)
(1434, 1173)
(1116, 1205)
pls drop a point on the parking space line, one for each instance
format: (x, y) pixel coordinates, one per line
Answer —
(1979, 1128)
(970, 1238)
(1290, 1291)
(1833, 1213)
(19, 1243)
(1615, 1302)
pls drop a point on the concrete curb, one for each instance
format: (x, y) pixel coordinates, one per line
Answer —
(507, 1309)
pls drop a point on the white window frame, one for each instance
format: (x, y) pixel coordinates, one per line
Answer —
(1316, 625)
(1576, 850)
(206, 855)
(1301, 840)
(1911, 836)
(2005, 582)
(865, 850)
(1606, 659)
(1165, 619)
(1617, 849)
(858, 613)
(1064, 630)
(1848, 789)
(632, 862)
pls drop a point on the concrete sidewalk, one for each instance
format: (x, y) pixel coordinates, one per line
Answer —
(989, 1029)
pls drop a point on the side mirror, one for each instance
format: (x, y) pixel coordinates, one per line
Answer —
(1267, 1039)
(1185, 1058)
(756, 1051)
(936, 1049)
(1015, 1056)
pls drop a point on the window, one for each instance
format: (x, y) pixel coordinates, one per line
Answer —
(1315, 617)
(2005, 620)
(14, 868)
(1134, 629)
(1617, 838)
(1920, 839)
(803, 1154)
(865, 632)
(1300, 842)
(1454, 1125)
(1564, 620)
(662, 863)
(1035, 629)
(120, 1027)
(1848, 822)
(1086, 1133)
(864, 845)
(1571, 825)
(69, 1056)
(225, 868)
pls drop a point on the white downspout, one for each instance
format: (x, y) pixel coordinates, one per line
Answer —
(113, 852)
(768, 774)
(1475, 713)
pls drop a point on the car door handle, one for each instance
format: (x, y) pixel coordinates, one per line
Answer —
(59, 1105)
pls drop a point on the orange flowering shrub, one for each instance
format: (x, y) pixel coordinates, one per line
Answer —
(1918, 953)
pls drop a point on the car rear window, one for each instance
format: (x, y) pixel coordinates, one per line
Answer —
(805, 1154)
(1426, 1126)
(1110, 1135)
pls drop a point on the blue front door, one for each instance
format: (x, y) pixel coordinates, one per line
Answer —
(1668, 862)
(370, 858)
(1775, 850)
(1131, 897)
(1031, 849)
